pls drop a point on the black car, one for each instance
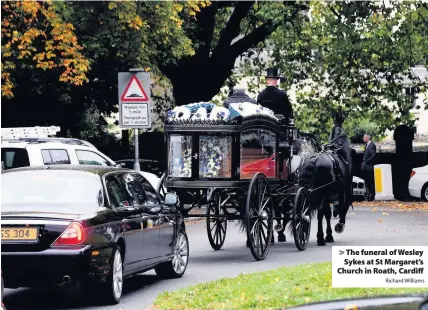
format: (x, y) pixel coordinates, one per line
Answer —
(148, 165)
(74, 226)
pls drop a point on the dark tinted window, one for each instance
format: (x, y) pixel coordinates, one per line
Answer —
(91, 158)
(151, 194)
(14, 158)
(134, 188)
(55, 157)
(124, 190)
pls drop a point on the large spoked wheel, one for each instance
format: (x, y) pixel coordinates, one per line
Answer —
(259, 217)
(216, 225)
(301, 219)
(160, 188)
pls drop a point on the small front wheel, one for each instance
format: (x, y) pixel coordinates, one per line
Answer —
(216, 225)
(178, 265)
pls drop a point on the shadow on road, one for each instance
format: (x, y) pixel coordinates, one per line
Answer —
(37, 299)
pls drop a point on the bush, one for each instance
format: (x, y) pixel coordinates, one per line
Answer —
(357, 128)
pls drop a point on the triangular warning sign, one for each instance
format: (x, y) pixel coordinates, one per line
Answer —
(134, 91)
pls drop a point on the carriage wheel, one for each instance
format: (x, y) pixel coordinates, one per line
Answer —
(160, 188)
(216, 227)
(259, 217)
(301, 219)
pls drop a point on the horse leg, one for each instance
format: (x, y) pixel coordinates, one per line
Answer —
(320, 233)
(281, 235)
(329, 232)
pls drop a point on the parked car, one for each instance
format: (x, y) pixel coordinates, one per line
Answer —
(2, 289)
(152, 166)
(358, 188)
(418, 184)
(23, 152)
(87, 226)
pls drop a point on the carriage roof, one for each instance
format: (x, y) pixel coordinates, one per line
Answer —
(207, 116)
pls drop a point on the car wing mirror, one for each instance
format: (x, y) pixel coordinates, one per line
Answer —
(171, 199)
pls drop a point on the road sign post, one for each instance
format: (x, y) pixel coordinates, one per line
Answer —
(134, 104)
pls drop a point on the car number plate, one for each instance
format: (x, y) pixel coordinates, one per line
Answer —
(358, 192)
(19, 234)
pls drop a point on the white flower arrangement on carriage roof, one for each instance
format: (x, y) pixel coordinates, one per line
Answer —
(207, 112)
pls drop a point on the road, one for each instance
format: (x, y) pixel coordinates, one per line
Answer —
(365, 226)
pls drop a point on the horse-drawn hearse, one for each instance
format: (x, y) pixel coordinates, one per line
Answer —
(241, 162)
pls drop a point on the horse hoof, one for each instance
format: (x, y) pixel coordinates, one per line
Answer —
(281, 238)
(335, 213)
(329, 239)
(321, 242)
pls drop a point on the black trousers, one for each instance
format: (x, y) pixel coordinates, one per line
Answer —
(369, 183)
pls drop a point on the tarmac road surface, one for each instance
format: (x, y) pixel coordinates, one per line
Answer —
(365, 226)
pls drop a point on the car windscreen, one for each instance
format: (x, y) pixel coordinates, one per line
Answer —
(57, 188)
(14, 157)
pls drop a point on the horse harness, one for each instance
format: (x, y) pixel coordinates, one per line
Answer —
(335, 157)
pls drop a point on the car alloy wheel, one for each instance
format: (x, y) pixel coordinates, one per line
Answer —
(181, 251)
(426, 193)
(117, 275)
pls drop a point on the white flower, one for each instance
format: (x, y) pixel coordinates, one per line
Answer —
(201, 114)
(181, 113)
(218, 113)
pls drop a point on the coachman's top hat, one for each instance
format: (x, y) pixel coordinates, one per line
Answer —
(272, 73)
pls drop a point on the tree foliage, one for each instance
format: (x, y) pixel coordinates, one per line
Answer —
(355, 56)
(110, 36)
(34, 36)
(221, 33)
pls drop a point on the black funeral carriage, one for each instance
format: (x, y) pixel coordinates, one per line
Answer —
(244, 169)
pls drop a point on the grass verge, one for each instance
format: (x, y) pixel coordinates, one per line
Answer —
(273, 289)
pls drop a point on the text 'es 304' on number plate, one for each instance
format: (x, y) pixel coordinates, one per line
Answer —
(19, 234)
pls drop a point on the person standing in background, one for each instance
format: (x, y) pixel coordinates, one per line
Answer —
(367, 167)
(237, 95)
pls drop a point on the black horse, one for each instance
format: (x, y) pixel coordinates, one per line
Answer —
(329, 174)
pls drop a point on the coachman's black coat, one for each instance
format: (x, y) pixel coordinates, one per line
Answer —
(276, 100)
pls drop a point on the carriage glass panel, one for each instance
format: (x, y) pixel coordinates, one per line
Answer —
(215, 156)
(180, 156)
(258, 153)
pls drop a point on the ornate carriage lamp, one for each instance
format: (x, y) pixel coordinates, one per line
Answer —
(292, 132)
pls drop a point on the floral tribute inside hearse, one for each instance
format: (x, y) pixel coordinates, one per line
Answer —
(208, 143)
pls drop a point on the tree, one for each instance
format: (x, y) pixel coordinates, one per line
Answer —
(353, 56)
(113, 36)
(34, 36)
(221, 32)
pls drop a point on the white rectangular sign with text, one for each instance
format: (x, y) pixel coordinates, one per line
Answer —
(379, 266)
